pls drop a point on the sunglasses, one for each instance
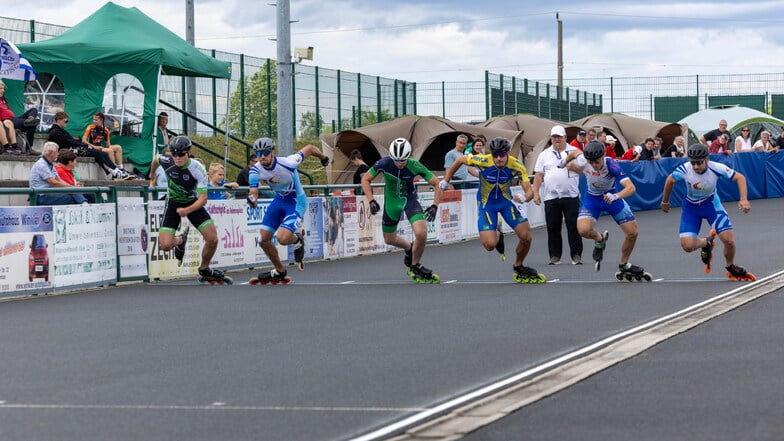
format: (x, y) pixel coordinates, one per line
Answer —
(179, 154)
(745, 130)
(697, 161)
(499, 154)
(65, 121)
(261, 153)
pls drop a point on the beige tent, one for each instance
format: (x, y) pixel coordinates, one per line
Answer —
(431, 138)
(633, 131)
(536, 133)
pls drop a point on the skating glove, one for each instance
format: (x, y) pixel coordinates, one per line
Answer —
(251, 200)
(443, 185)
(324, 161)
(374, 207)
(610, 197)
(430, 213)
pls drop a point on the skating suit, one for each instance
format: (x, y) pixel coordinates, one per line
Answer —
(288, 206)
(701, 200)
(495, 196)
(400, 195)
(185, 184)
(598, 183)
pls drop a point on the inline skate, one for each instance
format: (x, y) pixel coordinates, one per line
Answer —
(632, 272)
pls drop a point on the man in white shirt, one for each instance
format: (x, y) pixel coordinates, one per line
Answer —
(558, 188)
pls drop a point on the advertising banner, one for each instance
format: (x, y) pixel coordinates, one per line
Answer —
(253, 217)
(26, 255)
(163, 264)
(449, 217)
(229, 218)
(133, 239)
(85, 244)
(335, 226)
(312, 223)
(368, 227)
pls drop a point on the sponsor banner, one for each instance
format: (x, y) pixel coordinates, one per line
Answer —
(312, 222)
(133, 253)
(368, 227)
(26, 253)
(450, 215)
(469, 214)
(163, 264)
(350, 224)
(85, 244)
(253, 216)
(229, 218)
(334, 226)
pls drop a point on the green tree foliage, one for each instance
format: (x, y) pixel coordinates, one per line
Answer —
(258, 121)
(309, 123)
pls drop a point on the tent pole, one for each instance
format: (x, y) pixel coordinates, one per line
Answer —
(155, 116)
(226, 140)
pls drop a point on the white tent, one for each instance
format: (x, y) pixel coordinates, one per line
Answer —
(736, 116)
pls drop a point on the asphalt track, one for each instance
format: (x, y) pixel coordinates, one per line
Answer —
(352, 349)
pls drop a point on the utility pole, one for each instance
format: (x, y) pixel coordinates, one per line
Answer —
(285, 76)
(560, 57)
(190, 82)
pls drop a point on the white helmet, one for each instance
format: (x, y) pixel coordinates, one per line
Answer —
(400, 149)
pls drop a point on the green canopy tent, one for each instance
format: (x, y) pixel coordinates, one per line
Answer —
(112, 41)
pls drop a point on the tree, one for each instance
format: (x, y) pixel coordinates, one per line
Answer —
(311, 125)
(258, 121)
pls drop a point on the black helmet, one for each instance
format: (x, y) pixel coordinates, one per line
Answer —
(594, 150)
(499, 144)
(263, 145)
(697, 151)
(180, 143)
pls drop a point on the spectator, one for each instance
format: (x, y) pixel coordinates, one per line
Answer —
(43, 175)
(161, 134)
(8, 138)
(26, 123)
(743, 142)
(648, 152)
(452, 155)
(590, 135)
(711, 136)
(780, 139)
(97, 136)
(558, 187)
(356, 160)
(632, 153)
(609, 146)
(161, 180)
(677, 149)
(720, 145)
(216, 177)
(242, 176)
(64, 140)
(66, 170)
(764, 144)
(658, 145)
(478, 147)
(580, 141)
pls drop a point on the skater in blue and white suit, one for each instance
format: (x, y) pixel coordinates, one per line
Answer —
(283, 217)
(603, 176)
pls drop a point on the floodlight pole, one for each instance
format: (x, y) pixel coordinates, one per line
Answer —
(190, 82)
(285, 76)
(560, 56)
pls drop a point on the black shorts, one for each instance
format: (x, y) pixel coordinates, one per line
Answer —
(171, 220)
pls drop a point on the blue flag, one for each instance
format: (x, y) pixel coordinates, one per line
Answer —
(13, 65)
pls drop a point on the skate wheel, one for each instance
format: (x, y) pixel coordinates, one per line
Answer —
(286, 280)
(619, 275)
(228, 280)
(628, 277)
(647, 276)
(254, 281)
(265, 282)
(517, 278)
(541, 278)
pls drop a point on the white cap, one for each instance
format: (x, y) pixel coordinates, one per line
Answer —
(611, 138)
(638, 148)
(557, 131)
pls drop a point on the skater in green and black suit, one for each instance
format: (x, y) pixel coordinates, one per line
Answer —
(400, 196)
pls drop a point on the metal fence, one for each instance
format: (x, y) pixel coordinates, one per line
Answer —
(328, 100)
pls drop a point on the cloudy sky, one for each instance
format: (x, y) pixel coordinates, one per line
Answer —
(439, 40)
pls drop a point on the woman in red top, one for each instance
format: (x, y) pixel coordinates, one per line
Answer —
(66, 163)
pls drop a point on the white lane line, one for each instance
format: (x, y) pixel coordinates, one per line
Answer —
(499, 386)
(347, 282)
(213, 406)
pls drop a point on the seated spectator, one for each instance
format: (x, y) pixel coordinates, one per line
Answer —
(720, 146)
(97, 136)
(216, 178)
(743, 142)
(8, 138)
(66, 170)
(649, 151)
(780, 139)
(631, 154)
(677, 149)
(609, 146)
(43, 175)
(26, 123)
(580, 140)
(764, 144)
(64, 140)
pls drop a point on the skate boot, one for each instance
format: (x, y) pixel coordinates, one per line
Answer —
(421, 274)
(735, 272)
(179, 250)
(598, 250)
(271, 277)
(499, 246)
(707, 251)
(526, 274)
(632, 272)
(213, 276)
(299, 250)
(407, 259)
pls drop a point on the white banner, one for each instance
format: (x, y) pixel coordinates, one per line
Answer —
(26, 254)
(85, 244)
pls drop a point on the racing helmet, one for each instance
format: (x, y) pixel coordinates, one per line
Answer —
(179, 144)
(697, 151)
(400, 149)
(499, 144)
(594, 150)
(263, 145)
